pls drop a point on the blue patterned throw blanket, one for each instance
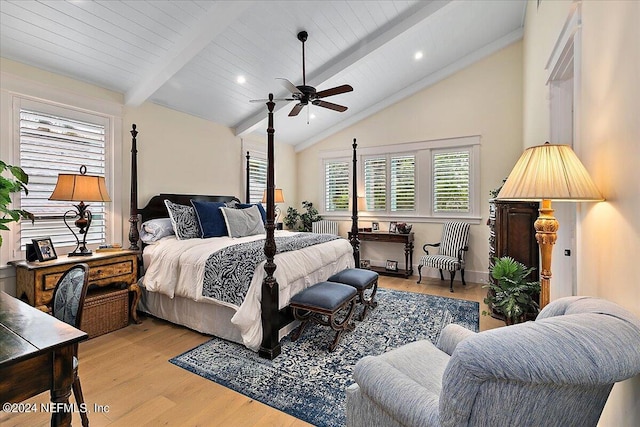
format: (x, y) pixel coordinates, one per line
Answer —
(228, 272)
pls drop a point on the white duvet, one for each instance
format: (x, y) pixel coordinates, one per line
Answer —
(176, 268)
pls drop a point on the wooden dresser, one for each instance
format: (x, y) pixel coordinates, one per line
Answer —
(511, 233)
(35, 281)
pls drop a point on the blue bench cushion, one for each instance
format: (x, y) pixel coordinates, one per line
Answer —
(324, 295)
(359, 278)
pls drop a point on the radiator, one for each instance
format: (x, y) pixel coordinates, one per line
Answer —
(325, 227)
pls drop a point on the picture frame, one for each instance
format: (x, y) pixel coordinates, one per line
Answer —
(375, 226)
(391, 265)
(365, 263)
(393, 227)
(45, 251)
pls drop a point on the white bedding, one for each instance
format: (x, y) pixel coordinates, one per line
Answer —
(176, 268)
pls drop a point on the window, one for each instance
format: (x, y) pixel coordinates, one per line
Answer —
(451, 181)
(418, 181)
(51, 144)
(336, 180)
(390, 178)
(257, 177)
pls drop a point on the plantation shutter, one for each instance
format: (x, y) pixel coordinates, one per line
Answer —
(403, 183)
(336, 176)
(451, 181)
(50, 145)
(375, 183)
(257, 178)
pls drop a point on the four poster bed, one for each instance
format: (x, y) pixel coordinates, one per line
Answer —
(221, 285)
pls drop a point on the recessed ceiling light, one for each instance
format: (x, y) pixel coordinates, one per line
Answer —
(312, 116)
(418, 55)
(241, 80)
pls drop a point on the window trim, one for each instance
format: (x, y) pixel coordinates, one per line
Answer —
(256, 150)
(423, 186)
(16, 91)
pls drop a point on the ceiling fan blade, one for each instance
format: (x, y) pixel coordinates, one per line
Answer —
(275, 99)
(334, 91)
(290, 86)
(330, 105)
(296, 110)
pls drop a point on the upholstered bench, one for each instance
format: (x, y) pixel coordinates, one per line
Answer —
(320, 303)
(361, 280)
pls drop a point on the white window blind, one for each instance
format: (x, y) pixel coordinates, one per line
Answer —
(49, 145)
(451, 181)
(403, 183)
(257, 178)
(375, 183)
(336, 179)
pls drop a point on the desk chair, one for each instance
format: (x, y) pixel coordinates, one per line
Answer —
(66, 305)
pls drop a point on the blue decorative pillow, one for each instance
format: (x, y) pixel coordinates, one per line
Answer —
(184, 220)
(155, 229)
(263, 213)
(210, 218)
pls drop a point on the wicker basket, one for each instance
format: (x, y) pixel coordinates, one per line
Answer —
(105, 310)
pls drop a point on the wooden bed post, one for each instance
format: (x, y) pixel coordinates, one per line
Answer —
(270, 347)
(355, 241)
(134, 235)
(247, 198)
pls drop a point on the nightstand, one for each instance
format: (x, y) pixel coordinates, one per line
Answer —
(35, 281)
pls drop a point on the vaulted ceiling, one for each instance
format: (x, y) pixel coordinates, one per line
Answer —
(188, 55)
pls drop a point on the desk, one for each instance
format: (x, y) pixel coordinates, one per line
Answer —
(406, 239)
(36, 354)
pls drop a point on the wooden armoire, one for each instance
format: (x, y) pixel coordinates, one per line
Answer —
(512, 233)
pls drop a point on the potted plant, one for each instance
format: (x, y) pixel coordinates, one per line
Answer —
(13, 183)
(301, 222)
(512, 294)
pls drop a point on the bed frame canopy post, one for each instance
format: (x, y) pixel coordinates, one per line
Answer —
(354, 239)
(134, 235)
(247, 196)
(270, 347)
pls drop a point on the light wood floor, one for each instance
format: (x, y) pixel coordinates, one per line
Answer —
(128, 372)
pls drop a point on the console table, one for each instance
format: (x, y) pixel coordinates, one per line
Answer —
(406, 239)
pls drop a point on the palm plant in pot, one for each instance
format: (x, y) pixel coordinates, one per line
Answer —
(15, 181)
(512, 294)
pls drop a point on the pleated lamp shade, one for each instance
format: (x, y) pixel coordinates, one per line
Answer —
(552, 172)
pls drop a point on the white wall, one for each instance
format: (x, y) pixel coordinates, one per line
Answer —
(484, 99)
(176, 152)
(608, 233)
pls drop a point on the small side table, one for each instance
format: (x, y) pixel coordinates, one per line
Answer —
(35, 281)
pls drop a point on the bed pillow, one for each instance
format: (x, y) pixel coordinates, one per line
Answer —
(243, 222)
(263, 213)
(155, 229)
(210, 218)
(184, 220)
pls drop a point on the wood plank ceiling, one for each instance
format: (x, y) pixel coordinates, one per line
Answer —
(187, 55)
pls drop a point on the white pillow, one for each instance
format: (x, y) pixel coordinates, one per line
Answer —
(243, 222)
(155, 229)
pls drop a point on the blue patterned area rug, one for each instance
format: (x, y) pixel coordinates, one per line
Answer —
(307, 381)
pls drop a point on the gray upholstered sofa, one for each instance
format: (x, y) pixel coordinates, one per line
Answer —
(556, 371)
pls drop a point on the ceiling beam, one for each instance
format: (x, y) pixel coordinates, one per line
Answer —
(411, 17)
(418, 86)
(212, 23)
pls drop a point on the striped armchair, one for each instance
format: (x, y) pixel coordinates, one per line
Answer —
(451, 250)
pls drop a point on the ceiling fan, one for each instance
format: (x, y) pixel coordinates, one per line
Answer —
(306, 95)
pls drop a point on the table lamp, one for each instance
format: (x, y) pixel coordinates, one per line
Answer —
(278, 197)
(80, 188)
(544, 173)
